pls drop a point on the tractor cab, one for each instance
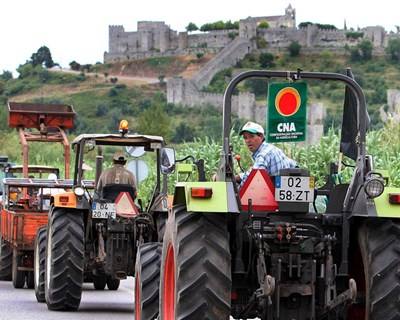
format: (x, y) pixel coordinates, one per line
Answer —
(122, 197)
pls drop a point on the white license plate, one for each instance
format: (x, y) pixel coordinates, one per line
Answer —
(294, 189)
(103, 210)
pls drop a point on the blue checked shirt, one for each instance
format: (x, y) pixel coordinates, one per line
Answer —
(270, 158)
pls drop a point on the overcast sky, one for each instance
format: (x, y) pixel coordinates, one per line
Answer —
(78, 30)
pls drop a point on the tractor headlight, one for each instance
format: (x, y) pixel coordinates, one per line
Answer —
(374, 185)
(79, 191)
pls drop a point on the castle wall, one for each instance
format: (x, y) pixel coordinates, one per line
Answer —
(155, 38)
(213, 39)
(227, 57)
(184, 92)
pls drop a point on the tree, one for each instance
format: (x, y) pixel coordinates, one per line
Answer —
(263, 25)
(42, 57)
(294, 49)
(266, 60)
(393, 49)
(74, 65)
(114, 80)
(191, 27)
(6, 75)
(199, 55)
(361, 52)
(161, 127)
(305, 24)
(183, 132)
(366, 49)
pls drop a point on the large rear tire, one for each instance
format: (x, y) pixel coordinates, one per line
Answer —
(147, 281)
(64, 260)
(5, 261)
(39, 264)
(161, 221)
(379, 242)
(196, 267)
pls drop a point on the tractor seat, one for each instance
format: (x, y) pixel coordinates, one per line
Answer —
(111, 191)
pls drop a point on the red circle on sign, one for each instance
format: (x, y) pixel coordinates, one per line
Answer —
(287, 101)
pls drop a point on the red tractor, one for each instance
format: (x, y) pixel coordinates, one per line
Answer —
(26, 194)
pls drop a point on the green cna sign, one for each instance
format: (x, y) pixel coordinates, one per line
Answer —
(287, 112)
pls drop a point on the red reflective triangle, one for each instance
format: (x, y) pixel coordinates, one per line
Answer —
(259, 188)
(125, 206)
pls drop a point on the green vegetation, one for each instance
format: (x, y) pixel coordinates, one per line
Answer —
(319, 25)
(294, 49)
(191, 27)
(393, 49)
(354, 35)
(361, 52)
(220, 25)
(263, 25)
(42, 57)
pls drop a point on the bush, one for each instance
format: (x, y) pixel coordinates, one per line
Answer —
(191, 27)
(261, 42)
(113, 92)
(294, 49)
(263, 25)
(232, 35)
(354, 35)
(266, 60)
(393, 49)
(6, 75)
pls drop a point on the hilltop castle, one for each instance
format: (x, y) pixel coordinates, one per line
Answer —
(155, 38)
(230, 46)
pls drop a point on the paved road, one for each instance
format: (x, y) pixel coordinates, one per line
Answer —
(21, 304)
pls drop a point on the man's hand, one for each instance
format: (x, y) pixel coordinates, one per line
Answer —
(238, 179)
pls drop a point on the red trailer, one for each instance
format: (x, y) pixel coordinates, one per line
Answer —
(27, 192)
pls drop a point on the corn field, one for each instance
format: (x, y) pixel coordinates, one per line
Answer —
(383, 145)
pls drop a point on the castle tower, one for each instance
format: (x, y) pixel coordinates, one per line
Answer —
(183, 40)
(114, 34)
(248, 28)
(290, 14)
(164, 40)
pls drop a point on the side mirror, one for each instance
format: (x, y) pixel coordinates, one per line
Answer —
(167, 160)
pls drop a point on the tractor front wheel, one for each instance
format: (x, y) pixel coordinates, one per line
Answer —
(147, 280)
(99, 282)
(196, 267)
(379, 242)
(112, 283)
(39, 264)
(64, 260)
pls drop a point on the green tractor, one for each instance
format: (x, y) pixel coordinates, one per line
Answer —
(262, 251)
